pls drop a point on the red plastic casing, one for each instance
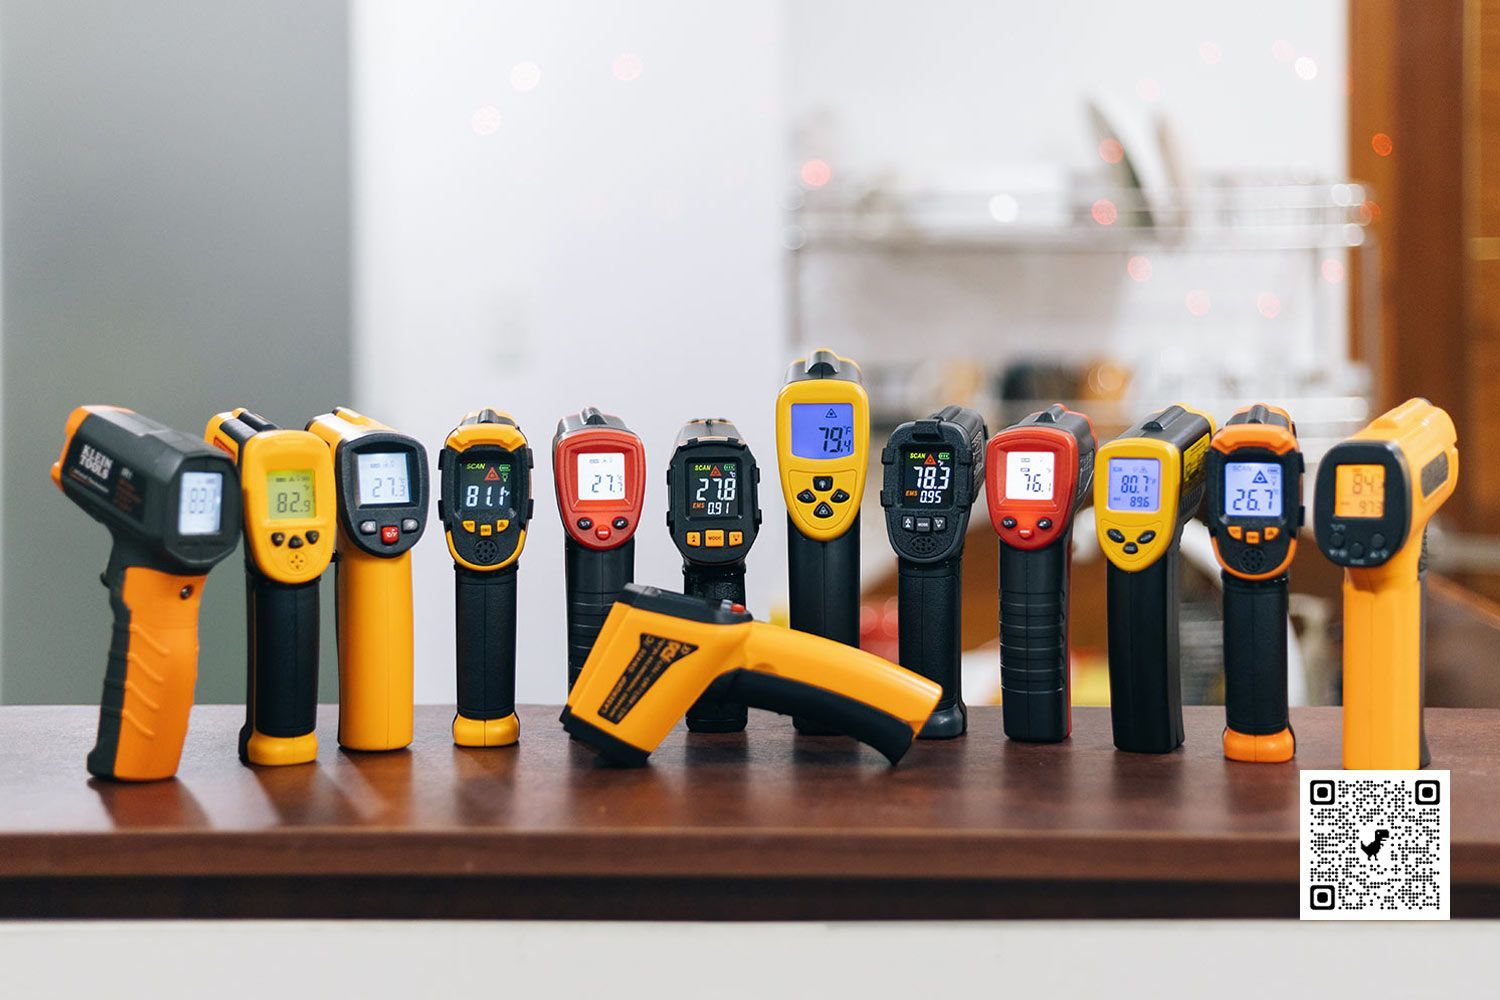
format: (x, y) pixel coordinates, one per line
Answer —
(603, 513)
(1059, 509)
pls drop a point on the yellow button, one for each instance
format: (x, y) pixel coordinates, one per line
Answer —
(485, 529)
(501, 525)
(1252, 537)
(736, 538)
(695, 538)
(1271, 534)
(1236, 532)
(469, 527)
(714, 539)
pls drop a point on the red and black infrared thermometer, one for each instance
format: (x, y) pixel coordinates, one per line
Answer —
(599, 468)
(934, 469)
(1039, 473)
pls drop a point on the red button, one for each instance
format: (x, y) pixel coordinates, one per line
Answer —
(1026, 533)
(601, 533)
(390, 534)
(738, 609)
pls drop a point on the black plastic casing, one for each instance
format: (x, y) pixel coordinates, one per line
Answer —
(930, 562)
(713, 572)
(1338, 536)
(352, 513)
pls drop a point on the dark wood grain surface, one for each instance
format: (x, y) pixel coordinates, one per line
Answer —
(763, 824)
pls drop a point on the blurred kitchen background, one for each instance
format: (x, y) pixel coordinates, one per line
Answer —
(420, 209)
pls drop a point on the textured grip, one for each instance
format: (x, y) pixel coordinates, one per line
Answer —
(281, 698)
(151, 672)
(594, 580)
(830, 711)
(930, 637)
(1145, 689)
(1035, 693)
(715, 583)
(485, 619)
(1255, 655)
(823, 584)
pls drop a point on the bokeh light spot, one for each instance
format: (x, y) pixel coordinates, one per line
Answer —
(525, 76)
(1197, 302)
(486, 120)
(1305, 67)
(1104, 212)
(1381, 143)
(1333, 270)
(1210, 53)
(1139, 268)
(1268, 305)
(1005, 208)
(627, 66)
(1110, 151)
(816, 173)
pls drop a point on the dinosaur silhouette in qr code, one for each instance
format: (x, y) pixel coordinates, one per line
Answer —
(1376, 843)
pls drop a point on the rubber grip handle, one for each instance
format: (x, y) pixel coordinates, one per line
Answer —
(281, 697)
(725, 582)
(595, 578)
(1145, 687)
(1255, 655)
(1384, 670)
(930, 613)
(1035, 691)
(150, 674)
(823, 587)
(834, 713)
(373, 596)
(485, 613)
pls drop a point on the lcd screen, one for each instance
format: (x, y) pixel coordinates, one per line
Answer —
(384, 479)
(1359, 491)
(822, 430)
(714, 490)
(1252, 489)
(200, 497)
(1029, 475)
(928, 478)
(1134, 484)
(290, 494)
(484, 486)
(601, 475)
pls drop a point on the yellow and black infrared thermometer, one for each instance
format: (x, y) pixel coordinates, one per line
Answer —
(660, 652)
(1148, 483)
(286, 485)
(713, 515)
(1376, 493)
(485, 505)
(934, 470)
(172, 505)
(822, 449)
(1254, 511)
(382, 484)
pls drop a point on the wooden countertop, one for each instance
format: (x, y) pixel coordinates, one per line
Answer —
(754, 826)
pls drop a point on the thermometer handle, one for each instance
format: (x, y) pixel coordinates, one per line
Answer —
(485, 620)
(725, 582)
(595, 578)
(823, 582)
(930, 620)
(373, 594)
(281, 696)
(1035, 692)
(1384, 667)
(1145, 687)
(151, 671)
(1255, 701)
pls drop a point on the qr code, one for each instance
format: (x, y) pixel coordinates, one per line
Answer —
(1374, 845)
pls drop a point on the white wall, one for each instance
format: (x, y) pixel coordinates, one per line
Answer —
(588, 241)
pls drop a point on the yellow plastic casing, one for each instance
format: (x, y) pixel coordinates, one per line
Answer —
(500, 435)
(1182, 477)
(1383, 604)
(846, 471)
(693, 654)
(375, 633)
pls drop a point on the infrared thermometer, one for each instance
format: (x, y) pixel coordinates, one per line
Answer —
(713, 515)
(288, 500)
(1039, 474)
(1254, 511)
(1148, 483)
(933, 471)
(822, 450)
(485, 505)
(1376, 493)
(599, 470)
(382, 493)
(660, 652)
(172, 507)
